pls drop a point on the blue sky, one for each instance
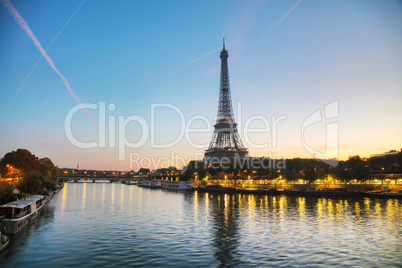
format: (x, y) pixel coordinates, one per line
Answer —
(126, 52)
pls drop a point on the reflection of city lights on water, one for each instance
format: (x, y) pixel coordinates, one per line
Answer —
(195, 202)
(357, 210)
(84, 196)
(390, 208)
(112, 198)
(206, 198)
(122, 195)
(103, 194)
(226, 209)
(63, 199)
(266, 203)
(251, 207)
(94, 191)
(283, 205)
(302, 208)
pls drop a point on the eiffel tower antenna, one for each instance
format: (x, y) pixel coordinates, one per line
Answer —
(225, 142)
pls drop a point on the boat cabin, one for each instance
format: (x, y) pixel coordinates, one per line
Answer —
(20, 208)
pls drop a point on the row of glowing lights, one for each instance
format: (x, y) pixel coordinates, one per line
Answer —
(104, 172)
(15, 172)
(280, 180)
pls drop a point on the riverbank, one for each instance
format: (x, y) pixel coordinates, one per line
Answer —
(334, 192)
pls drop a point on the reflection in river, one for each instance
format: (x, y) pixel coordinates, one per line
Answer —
(108, 225)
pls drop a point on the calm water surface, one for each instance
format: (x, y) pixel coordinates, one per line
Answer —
(109, 225)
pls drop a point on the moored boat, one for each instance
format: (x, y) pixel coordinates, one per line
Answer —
(397, 195)
(18, 214)
(177, 185)
(151, 184)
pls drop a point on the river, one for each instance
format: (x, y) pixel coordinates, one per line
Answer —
(114, 225)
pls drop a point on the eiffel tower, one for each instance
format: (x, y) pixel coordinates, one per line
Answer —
(225, 142)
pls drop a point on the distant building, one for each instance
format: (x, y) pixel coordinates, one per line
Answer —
(386, 153)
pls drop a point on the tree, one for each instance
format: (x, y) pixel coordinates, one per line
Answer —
(275, 174)
(353, 160)
(48, 169)
(321, 174)
(291, 175)
(35, 182)
(22, 160)
(234, 167)
(32, 183)
(130, 174)
(344, 174)
(6, 193)
(144, 171)
(361, 172)
(334, 173)
(310, 174)
(195, 171)
(189, 171)
(201, 171)
(286, 174)
(36, 174)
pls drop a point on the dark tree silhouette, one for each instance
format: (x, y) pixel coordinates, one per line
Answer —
(21, 159)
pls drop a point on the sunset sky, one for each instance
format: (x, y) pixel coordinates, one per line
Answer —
(287, 58)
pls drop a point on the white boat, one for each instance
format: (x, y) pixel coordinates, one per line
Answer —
(151, 184)
(177, 185)
(17, 214)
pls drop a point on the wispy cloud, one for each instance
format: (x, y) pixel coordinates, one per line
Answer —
(37, 62)
(24, 26)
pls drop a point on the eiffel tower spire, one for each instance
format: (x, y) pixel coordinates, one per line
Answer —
(225, 142)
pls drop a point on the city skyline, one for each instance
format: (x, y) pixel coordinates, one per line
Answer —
(287, 58)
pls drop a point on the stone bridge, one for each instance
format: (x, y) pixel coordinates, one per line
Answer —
(111, 179)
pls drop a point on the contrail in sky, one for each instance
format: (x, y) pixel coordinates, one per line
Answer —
(37, 62)
(203, 56)
(21, 22)
(274, 26)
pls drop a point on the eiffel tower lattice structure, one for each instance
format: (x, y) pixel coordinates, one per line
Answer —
(225, 142)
